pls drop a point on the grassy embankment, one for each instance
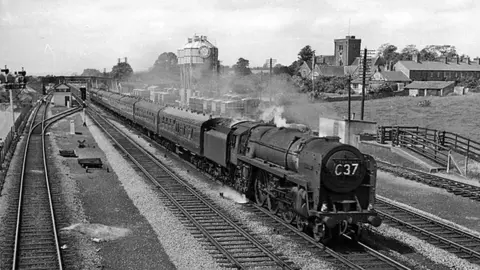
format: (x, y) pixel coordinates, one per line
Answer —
(457, 114)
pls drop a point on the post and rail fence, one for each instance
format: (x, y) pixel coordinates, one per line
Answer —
(436, 145)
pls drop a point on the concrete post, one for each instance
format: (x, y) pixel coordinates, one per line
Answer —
(72, 127)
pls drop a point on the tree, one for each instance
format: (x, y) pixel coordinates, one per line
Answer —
(382, 48)
(294, 67)
(241, 67)
(306, 54)
(408, 52)
(388, 52)
(92, 72)
(247, 84)
(166, 61)
(431, 52)
(280, 69)
(427, 54)
(122, 71)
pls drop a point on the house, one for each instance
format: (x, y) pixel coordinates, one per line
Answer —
(430, 88)
(445, 70)
(62, 95)
(143, 93)
(396, 79)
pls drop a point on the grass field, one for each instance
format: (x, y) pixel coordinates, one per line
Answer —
(458, 114)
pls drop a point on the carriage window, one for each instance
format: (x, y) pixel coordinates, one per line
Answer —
(191, 134)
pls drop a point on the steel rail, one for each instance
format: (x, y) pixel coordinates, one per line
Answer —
(32, 128)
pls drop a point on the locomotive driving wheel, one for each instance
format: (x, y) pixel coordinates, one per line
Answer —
(301, 223)
(288, 215)
(319, 231)
(261, 185)
(272, 204)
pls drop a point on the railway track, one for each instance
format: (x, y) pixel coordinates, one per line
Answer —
(452, 186)
(32, 220)
(358, 256)
(355, 256)
(451, 239)
(232, 245)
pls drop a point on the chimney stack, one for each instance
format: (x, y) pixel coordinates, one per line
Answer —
(446, 60)
(416, 58)
(119, 60)
(468, 60)
(125, 59)
(458, 60)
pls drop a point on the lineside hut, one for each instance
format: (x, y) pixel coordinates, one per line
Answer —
(62, 95)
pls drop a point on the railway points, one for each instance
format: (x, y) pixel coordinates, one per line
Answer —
(36, 243)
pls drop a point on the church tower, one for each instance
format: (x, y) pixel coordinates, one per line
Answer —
(346, 50)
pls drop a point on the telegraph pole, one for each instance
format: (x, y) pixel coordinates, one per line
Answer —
(364, 64)
(313, 72)
(349, 99)
(270, 63)
(270, 79)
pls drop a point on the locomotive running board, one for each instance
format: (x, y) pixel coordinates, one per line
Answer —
(290, 176)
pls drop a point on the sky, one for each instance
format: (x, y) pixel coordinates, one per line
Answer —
(62, 37)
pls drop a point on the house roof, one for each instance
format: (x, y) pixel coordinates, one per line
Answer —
(395, 76)
(331, 70)
(61, 86)
(325, 59)
(385, 76)
(429, 84)
(435, 65)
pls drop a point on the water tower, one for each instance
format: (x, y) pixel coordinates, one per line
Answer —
(198, 60)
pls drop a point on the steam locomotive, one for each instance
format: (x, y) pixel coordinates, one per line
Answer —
(316, 183)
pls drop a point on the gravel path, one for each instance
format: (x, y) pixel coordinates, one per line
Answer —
(296, 253)
(431, 252)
